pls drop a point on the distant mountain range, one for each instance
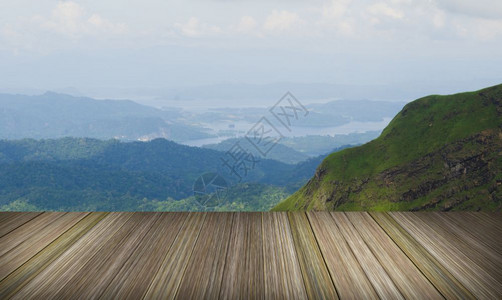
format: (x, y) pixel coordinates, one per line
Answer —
(54, 115)
(438, 153)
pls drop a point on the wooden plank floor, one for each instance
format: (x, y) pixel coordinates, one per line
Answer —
(314, 255)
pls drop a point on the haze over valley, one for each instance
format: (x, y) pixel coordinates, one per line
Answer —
(249, 105)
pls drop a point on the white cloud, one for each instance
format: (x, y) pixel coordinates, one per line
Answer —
(247, 24)
(103, 24)
(71, 19)
(280, 21)
(194, 28)
(328, 21)
(383, 9)
(336, 8)
(438, 19)
(337, 16)
(67, 20)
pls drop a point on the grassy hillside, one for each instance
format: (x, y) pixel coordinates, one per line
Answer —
(438, 153)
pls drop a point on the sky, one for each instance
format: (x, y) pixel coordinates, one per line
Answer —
(91, 46)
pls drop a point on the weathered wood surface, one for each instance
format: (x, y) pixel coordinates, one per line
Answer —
(314, 255)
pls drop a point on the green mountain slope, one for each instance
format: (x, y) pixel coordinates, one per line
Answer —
(438, 153)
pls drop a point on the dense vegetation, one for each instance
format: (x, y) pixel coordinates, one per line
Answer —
(279, 152)
(438, 153)
(240, 197)
(90, 174)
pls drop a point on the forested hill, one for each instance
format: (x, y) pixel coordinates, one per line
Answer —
(90, 174)
(438, 153)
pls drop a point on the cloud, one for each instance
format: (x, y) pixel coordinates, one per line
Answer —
(438, 19)
(337, 16)
(328, 22)
(280, 21)
(383, 9)
(336, 9)
(247, 24)
(194, 28)
(103, 24)
(68, 20)
(71, 19)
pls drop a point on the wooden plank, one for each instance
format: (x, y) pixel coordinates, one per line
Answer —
(283, 277)
(481, 229)
(18, 255)
(26, 228)
(167, 279)
(350, 280)
(28, 271)
(495, 218)
(479, 282)
(135, 276)
(12, 221)
(470, 245)
(318, 283)
(204, 272)
(383, 285)
(93, 278)
(61, 270)
(251, 255)
(407, 277)
(4, 215)
(243, 275)
(437, 274)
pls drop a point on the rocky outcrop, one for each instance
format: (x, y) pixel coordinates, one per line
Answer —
(440, 180)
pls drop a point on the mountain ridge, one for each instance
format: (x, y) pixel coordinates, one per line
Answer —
(438, 153)
(54, 115)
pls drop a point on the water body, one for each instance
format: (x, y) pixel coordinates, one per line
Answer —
(351, 127)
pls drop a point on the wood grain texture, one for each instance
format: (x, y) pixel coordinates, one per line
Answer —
(441, 244)
(318, 283)
(168, 278)
(35, 265)
(31, 244)
(495, 219)
(7, 215)
(410, 281)
(55, 276)
(13, 220)
(25, 229)
(350, 280)
(136, 274)
(243, 275)
(298, 255)
(482, 229)
(436, 273)
(204, 273)
(282, 273)
(487, 258)
(93, 278)
(383, 285)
